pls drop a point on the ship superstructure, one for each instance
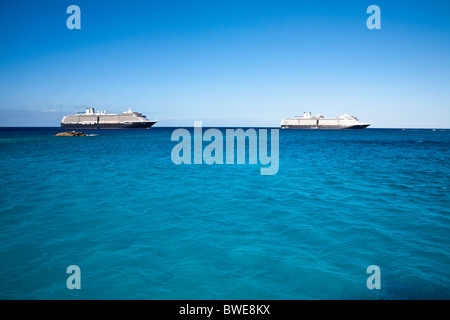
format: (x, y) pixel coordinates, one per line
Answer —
(307, 121)
(92, 119)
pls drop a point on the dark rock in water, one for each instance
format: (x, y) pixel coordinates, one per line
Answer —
(70, 134)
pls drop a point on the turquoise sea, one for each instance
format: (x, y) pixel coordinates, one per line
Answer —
(141, 227)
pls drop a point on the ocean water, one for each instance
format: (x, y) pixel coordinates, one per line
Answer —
(141, 227)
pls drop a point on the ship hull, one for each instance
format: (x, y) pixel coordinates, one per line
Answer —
(135, 125)
(362, 126)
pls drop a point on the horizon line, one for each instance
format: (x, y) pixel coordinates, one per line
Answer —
(270, 127)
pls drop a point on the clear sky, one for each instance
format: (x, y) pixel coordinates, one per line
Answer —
(228, 63)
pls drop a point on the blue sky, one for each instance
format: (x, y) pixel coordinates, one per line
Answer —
(228, 63)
